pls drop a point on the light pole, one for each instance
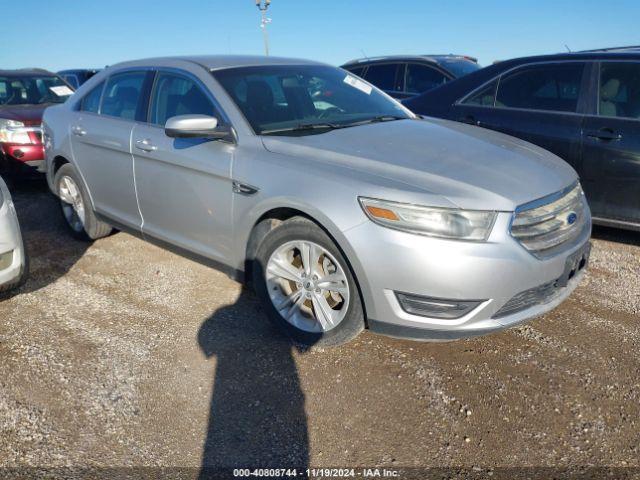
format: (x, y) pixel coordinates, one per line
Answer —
(263, 5)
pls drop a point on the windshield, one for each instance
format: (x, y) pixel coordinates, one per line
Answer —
(32, 90)
(460, 67)
(288, 98)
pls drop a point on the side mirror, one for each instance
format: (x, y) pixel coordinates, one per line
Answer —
(195, 126)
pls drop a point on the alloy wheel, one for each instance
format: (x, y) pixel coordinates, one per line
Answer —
(307, 286)
(72, 204)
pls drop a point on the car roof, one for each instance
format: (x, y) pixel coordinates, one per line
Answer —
(435, 58)
(216, 62)
(629, 48)
(79, 70)
(604, 54)
(25, 71)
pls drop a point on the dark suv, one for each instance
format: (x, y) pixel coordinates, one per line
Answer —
(24, 94)
(407, 76)
(584, 107)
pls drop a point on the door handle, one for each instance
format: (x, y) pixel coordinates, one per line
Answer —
(78, 131)
(605, 134)
(145, 145)
(471, 120)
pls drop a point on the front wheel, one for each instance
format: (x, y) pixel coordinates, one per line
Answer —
(76, 206)
(306, 285)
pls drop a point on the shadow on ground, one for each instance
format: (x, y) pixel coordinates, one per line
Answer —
(628, 237)
(257, 413)
(51, 248)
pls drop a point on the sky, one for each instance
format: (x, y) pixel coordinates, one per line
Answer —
(58, 34)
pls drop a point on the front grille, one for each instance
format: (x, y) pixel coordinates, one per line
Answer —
(529, 298)
(541, 229)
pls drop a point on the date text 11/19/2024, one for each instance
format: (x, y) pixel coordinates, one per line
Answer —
(317, 472)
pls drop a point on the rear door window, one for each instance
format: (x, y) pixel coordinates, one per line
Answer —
(619, 90)
(486, 97)
(383, 76)
(421, 78)
(551, 87)
(122, 95)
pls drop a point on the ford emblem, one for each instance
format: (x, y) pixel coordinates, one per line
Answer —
(571, 218)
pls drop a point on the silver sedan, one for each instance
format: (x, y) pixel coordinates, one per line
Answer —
(12, 253)
(342, 208)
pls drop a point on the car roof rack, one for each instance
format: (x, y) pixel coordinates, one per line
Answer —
(611, 49)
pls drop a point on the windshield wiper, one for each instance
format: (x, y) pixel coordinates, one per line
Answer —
(302, 127)
(377, 119)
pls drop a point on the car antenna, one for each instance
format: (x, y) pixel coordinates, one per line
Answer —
(568, 49)
(364, 54)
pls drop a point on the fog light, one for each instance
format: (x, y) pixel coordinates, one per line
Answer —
(436, 307)
(6, 259)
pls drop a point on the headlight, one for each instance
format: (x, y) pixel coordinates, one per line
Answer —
(473, 225)
(12, 131)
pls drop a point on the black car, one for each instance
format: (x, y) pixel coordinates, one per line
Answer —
(408, 76)
(584, 107)
(77, 77)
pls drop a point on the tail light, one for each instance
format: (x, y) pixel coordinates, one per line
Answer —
(17, 133)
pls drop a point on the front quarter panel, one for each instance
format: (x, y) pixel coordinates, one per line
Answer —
(55, 124)
(329, 198)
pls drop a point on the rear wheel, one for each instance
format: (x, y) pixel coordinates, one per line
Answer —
(306, 285)
(76, 206)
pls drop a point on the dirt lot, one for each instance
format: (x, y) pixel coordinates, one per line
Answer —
(122, 354)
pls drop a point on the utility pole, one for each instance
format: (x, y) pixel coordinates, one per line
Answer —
(263, 5)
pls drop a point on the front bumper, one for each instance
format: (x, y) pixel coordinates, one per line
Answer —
(495, 271)
(12, 253)
(21, 160)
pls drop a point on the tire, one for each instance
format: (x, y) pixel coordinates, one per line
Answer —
(21, 280)
(345, 319)
(88, 228)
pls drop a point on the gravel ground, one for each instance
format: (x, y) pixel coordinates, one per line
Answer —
(122, 354)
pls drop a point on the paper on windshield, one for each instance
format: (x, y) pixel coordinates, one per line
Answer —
(359, 84)
(61, 90)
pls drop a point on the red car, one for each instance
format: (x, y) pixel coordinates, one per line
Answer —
(24, 94)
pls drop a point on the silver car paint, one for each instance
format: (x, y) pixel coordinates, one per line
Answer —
(184, 196)
(185, 193)
(102, 151)
(10, 238)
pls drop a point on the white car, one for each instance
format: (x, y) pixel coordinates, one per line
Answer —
(13, 258)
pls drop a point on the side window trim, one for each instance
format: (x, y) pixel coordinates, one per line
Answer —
(142, 112)
(401, 83)
(590, 79)
(585, 72)
(223, 118)
(596, 85)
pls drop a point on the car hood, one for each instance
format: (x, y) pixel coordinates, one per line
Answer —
(28, 114)
(471, 167)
